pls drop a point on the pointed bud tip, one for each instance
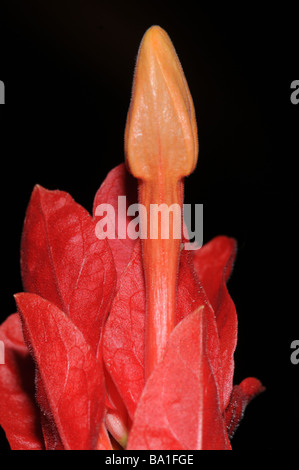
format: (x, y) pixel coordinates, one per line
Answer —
(39, 190)
(38, 187)
(154, 39)
(161, 131)
(18, 299)
(19, 296)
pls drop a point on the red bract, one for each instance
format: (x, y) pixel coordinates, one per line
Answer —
(69, 379)
(123, 343)
(180, 406)
(119, 183)
(63, 261)
(19, 414)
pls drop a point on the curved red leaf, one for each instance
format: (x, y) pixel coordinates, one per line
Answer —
(190, 292)
(241, 396)
(123, 339)
(213, 264)
(70, 388)
(118, 182)
(179, 408)
(63, 261)
(191, 296)
(19, 414)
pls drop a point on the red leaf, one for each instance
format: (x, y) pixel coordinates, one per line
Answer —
(190, 292)
(241, 396)
(191, 296)
(213, 264)
(123, 340)
(179, 408)
(63, 261)
(19, 415)
(118, 183)
(71, 388)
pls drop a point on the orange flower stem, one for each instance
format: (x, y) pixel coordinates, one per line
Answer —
(160, 260)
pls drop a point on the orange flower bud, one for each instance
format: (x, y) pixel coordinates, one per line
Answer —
(161, 131)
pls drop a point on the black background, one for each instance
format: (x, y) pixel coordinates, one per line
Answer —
(67, 68)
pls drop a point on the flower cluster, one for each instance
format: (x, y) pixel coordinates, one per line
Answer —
(122, 343)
